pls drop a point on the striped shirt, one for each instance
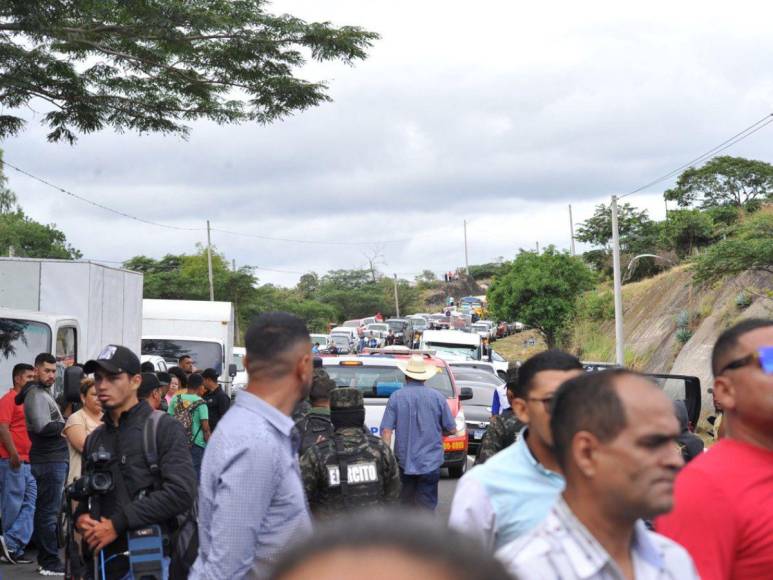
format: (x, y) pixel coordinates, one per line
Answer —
(561, 548)
(251, 499)
(418, 415)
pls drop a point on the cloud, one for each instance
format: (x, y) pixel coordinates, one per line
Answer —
(498, 113)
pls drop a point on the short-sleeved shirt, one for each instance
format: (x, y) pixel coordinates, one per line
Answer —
(12, 415)
(418, 415)
(723, 511)
(83, 419)
(200, 414)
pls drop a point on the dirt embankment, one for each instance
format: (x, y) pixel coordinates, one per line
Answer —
(671, 325)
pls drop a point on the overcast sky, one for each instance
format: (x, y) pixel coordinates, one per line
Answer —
(500, 113)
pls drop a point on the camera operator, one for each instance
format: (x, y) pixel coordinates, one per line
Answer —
(119, 491)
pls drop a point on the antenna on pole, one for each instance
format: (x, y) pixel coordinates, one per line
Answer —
(619, 338)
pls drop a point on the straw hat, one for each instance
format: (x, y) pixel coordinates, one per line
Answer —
(417, 368)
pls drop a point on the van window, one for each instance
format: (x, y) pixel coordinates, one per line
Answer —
(20, 342)
(67, 345)
(380, 382)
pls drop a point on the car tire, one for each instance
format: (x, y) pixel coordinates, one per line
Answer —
(456, 471)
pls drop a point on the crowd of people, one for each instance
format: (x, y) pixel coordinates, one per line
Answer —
(583, 476)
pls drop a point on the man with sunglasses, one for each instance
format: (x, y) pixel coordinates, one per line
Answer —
(724, 499)
(514, 490)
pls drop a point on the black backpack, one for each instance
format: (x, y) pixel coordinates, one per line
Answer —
(184, 539)
(313, 429)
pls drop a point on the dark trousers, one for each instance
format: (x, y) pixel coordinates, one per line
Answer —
(197, 454)
(50, 478)
(420, 490)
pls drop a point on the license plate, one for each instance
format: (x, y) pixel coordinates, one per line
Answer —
(478, 433)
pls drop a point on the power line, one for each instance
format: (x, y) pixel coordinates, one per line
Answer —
(199, 229)
(726, 144)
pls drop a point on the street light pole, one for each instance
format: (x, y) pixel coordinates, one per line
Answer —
(619, 338)
(397, 300)
(571, 228)
(209, 266)
(466, 258)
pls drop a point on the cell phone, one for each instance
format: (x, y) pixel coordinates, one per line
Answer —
(146, 553)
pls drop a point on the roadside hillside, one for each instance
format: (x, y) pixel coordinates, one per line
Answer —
(670, 324)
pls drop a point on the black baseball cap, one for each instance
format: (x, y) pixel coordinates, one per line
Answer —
(149, 384)
(114, 359)
(164, 378)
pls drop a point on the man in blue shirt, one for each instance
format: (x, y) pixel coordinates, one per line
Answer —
(251, 499)
(421, 417)
(515, 490)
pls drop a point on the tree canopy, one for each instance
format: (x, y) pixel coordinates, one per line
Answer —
(155, 66)
(724, 181)
(633, 225)
(540, 290)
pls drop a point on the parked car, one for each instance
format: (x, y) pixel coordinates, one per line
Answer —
(377, 375)
(356, 323)
(323, 340)
(477, 411)
(159, 364)
(402, 329)
(343, 343)
(420, 323)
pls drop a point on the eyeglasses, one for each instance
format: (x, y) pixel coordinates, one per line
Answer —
(546, 401)
(763, 358)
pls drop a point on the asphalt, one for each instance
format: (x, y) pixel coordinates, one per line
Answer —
(445, 495)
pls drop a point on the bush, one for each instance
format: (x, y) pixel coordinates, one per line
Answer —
(597, 306)
(683, 319)
(743, 300)
(683, 335)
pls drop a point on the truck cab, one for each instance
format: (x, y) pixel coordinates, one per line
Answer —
(24, 334)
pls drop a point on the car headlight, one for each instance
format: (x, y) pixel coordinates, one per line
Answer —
(461, 426)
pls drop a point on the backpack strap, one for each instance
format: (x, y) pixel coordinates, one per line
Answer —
(150, 444)
(343, 467)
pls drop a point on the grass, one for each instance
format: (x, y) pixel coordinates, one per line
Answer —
(513, 348)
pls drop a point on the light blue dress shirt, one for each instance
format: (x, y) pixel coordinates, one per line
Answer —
(505, 497)
(418, 415)
(251, 500)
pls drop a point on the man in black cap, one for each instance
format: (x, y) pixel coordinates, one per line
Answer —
(151, 391)
(217, 401)
(139, 496)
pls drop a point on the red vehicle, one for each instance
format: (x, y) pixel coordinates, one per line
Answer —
(377, 375)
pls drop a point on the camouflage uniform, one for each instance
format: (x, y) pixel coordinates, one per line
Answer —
(352, 468)
(301, 410)
(502, 432)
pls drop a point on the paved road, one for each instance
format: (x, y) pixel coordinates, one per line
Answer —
(445, 494)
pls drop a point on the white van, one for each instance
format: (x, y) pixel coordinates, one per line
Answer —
(452, 344)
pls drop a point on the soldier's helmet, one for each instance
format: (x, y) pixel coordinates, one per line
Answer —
(346, 398)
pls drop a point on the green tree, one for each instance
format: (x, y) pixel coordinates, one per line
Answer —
(308, 285)
(687, 229)
(750, 248)
(634, 227)
(725, 180)
(154, 66)
(540, 290)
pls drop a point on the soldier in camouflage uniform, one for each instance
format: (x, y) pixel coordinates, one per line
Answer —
(502, 431)
(315, 425)
(352, 468)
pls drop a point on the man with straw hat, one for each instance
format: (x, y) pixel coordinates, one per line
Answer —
(420, 416)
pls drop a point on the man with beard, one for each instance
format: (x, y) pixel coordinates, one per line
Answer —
(251, 500)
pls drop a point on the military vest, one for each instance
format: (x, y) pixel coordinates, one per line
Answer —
(311, 428)
(353, 465)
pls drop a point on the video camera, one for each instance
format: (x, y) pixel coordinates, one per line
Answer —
(98, 479)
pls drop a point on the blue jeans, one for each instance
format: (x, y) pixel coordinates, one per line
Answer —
(18, 491)
(197, 455)
(420, 490)
(50, 478)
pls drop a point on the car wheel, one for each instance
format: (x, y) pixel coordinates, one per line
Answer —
(456, 471)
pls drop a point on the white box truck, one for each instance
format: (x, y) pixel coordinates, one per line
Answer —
(203, 330)
(70, 308)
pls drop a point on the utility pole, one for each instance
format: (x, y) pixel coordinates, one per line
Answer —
(397, 300)
(537, 247)
(209, 265)
(571, 227)
(237, 334)
(619, 338)
(466, 257)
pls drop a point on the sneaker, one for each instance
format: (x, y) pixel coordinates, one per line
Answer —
(51, 570)
(4, 553)
(21, 559)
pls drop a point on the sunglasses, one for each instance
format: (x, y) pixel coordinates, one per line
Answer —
(762, 358)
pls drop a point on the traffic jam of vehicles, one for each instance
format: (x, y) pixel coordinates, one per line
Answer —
(365, 354)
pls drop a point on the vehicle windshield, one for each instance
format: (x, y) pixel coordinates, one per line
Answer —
(378, 327)
(238, 360)
(476, 376)
(398, 325)
(320, 338)
(497, 357)
(205, 355)
(380, 382)
(20, 342)
(340, 340)
(479, 327)
(351, 324)
(419, 322)
(465, 350)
